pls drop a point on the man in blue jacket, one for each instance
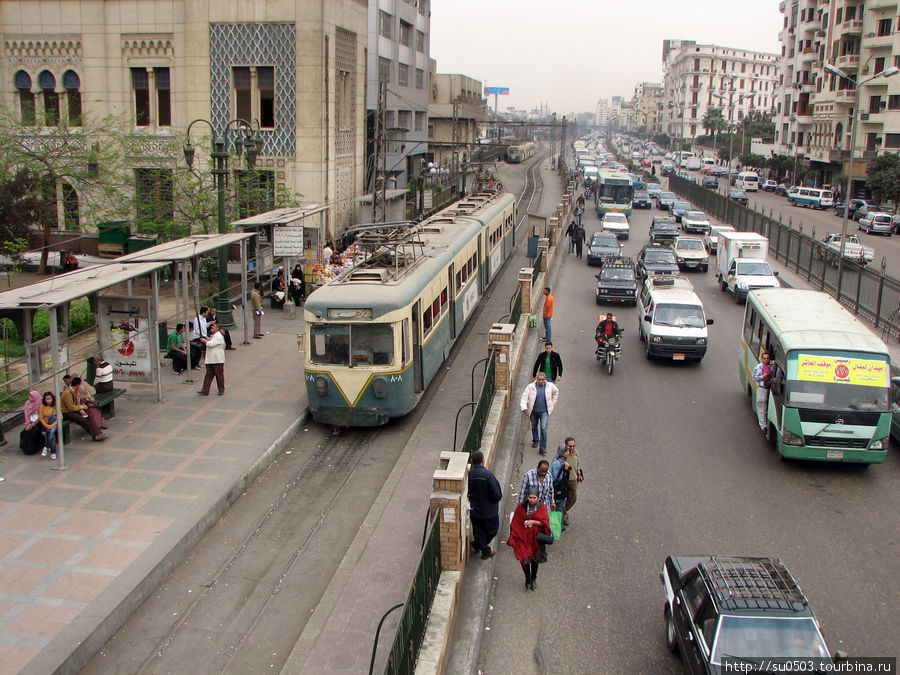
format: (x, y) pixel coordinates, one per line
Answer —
(484, 500)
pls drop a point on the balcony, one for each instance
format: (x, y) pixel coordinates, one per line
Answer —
(851, 28)
(846, 61)
(881, 4)
(805, 119)
(807, 88)
(843, 96)
(808, 55)
(871, 41)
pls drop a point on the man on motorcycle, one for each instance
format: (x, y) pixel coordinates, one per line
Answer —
(607, 328)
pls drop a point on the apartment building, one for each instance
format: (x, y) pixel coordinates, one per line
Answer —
(647, 105)
(399, 40)
(455, 110)
(816, 107)
(697, 77)
(293, 69)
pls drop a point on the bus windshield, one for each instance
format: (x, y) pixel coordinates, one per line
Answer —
(832, 382)
(615, 193)
(341, 344)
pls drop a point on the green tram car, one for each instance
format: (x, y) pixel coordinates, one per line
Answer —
(379, 333)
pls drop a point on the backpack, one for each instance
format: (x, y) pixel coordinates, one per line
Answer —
(561, 485)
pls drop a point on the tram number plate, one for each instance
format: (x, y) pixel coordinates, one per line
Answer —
(835, 454)
(678, 357)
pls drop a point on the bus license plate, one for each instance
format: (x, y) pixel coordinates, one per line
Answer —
(678, 357)
(835, 454)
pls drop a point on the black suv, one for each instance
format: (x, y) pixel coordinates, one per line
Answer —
(663, 230)
(641, 200)
(710, 182)
(656, 259)
(616, 282)
(601, 246)
(726, 611)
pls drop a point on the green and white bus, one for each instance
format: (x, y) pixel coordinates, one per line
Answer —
(614, 192)
(829, 397)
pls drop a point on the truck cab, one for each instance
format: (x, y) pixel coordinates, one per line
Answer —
(741, 264)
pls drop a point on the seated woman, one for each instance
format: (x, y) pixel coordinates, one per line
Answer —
(279, 290)
(49, 419)
(31, 440)
(85, 396)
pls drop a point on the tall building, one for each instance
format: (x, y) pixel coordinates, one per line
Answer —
(399, 39)
(455, 110)
(647, 105)
(815, 107)
(293, 69)
(698, 77)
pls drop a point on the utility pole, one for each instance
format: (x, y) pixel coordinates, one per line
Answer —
(455, 143)
(379, 182)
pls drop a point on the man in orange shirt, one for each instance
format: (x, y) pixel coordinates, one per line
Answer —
(548, 315)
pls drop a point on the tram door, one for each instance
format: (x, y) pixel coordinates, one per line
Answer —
(452, 293)
(418, 375)
(482, 266)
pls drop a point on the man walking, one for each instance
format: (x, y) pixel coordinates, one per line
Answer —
(579, 240)
(548, 314)
(484, 500)
(538, 400)
(548, 362)
(575, 475)
(215, 361)
(256, 306)
(540, 479)
(570, 233)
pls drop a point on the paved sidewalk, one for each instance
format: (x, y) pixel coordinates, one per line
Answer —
(79, 549)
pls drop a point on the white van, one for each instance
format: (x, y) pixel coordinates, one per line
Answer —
(748, 181)
(671, 319)
(814, 198)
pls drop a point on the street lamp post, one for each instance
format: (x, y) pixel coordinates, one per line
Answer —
(888, 72)
(248, 147)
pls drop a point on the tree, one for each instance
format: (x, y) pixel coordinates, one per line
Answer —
(22, 204)
(662, 140)
(714, 121)
(756, 161)
(779, 165)
(884, 178)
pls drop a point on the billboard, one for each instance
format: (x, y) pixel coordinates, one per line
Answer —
(496, 91)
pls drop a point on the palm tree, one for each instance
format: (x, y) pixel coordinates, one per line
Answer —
(713, 121)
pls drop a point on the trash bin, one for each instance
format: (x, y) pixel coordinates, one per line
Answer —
(90, 371)
(113, 237)
(162, 329)
(140, 242)
(532, 247)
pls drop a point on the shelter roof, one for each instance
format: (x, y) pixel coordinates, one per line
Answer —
(71, 286)
(284, 216)
(184, 248)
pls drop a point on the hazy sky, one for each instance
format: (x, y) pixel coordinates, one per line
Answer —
(569, 53)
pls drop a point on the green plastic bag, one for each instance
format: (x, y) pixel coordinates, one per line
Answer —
(556, 524)
(532, 320)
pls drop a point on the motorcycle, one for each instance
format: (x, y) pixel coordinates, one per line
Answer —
(609, 348)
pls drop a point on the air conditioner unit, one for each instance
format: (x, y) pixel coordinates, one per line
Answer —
(864, 116)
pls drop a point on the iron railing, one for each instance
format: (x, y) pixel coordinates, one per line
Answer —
(515, 310)
(536, 266)
(870, 293)
(475, 431)
(411, 628)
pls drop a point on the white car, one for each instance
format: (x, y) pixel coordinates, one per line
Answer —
(877, 222)
(616, 223)
(690, 254)
(695, 221)
(712, 236)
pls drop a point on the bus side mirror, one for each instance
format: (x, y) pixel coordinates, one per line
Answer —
(648, 318)
(776, 273)
(710, 322)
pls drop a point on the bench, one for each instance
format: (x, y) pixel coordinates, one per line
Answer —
(107, 402)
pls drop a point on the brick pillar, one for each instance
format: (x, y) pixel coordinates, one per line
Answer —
(448, 497)
(525, 274)
(544, 246)
(500, 339)
(552, 226)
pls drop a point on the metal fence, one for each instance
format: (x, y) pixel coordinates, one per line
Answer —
(867, 292)
(482, 409)
(515, 309)
(536, 266)
(411, 629)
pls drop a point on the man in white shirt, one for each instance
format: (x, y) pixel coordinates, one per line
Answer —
(201, 325)
(215, 360)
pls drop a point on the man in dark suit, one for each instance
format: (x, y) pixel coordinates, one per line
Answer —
(484, 500)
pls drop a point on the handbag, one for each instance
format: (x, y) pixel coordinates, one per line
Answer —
(545, 539)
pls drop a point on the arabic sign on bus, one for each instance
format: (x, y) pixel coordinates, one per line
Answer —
(865, 372)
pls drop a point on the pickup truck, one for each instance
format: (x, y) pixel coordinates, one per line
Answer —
(853, 249)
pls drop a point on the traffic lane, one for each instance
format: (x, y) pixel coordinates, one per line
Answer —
(674, 464)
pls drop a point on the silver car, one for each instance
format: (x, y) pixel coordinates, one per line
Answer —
(875, 221)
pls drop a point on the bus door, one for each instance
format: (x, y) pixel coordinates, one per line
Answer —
(450, 287)
(418, 375)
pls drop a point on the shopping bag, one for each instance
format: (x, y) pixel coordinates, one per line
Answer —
(556, 524)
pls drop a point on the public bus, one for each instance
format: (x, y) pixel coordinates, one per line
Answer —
(829, 397)
(614, 192)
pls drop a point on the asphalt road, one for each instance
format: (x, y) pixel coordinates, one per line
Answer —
(674, 463)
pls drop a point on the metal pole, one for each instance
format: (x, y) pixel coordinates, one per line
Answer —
(185, 289)
(154, 334)
(220, 171)
(244, 307)
(54, 366)
(844, 217)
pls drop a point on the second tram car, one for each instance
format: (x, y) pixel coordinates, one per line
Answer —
(378, 334)
(516, 154)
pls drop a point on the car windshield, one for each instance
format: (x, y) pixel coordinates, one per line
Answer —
(681, 205)
(617, 274)
(691, 244)
(680, 316)
(738, 193)
(602, 239)
(667, 195)
(753, 637)
(665, 228)
(659, 257)
(641, 194)
(695, 215)
(614, 218)
(746, 267)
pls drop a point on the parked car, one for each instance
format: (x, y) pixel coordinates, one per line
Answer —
(710, 181)
(601, 246)
(664, 200)
(769, 186)
(781, 190)
(854, 205)
(864, 209)
(679, 208)
(655, 259)
(712, 237)
(738, 196)
(877, 222)
(695, 221)
(690, 254)
(723, 611)
(616, 223)
(641, 200)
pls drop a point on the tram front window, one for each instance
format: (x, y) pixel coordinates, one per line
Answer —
(352, 344)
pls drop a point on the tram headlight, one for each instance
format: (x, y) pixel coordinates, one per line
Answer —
(379, 386)
(321, 386)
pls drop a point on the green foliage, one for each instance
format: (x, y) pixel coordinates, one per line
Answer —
(714, 121)
(81, 317)
(11, 332)
(23, 203)
(209, 268)
(756, 161)
(780, 165)
(662, 140)
(884, 177)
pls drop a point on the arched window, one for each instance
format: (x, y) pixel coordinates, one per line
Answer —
(47, 82)
(839, 135)
(72, 85)
(71, 216)
(26, 97)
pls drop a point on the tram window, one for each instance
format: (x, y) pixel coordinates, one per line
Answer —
(443, 298)
(458, 282)
(331, 344)
(436, 308)
(352, 345)
(404, 341)
(426, 321)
